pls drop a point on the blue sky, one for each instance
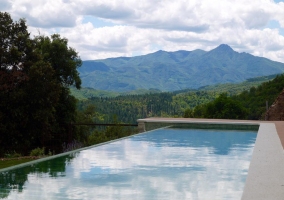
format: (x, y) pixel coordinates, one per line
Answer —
(111, 28)
(273, 24)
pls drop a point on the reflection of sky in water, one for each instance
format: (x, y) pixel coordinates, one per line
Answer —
(163, 164)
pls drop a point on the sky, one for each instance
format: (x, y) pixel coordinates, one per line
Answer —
(100, 29)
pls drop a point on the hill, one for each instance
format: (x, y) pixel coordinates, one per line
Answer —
(129, 108)
(170, 71)
(246, 105)
(229, 88)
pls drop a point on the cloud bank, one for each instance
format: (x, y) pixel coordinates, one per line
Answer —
(106, 28)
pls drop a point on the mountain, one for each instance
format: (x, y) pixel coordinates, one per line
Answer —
(170, 71)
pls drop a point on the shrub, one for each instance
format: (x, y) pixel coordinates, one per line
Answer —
(12, 155)
(96, 137)
(37, 152)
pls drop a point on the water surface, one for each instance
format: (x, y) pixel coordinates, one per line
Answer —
(162, 164)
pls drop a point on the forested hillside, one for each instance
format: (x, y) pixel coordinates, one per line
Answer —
(246, 105)
(230, 88)
(255, 99)
(232, 103)
(132, 107)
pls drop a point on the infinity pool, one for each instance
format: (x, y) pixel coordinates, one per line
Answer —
(161, 164)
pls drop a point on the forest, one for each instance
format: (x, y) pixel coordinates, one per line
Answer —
(240, 103)
(39, 114)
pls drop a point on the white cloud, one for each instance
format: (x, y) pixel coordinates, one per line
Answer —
(140, 27)
(48, 14)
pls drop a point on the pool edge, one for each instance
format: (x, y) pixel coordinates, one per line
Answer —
(265, 179)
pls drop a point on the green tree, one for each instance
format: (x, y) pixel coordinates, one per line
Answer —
(188, 113)
(16, 52)
(225, 107)
(62, 58)
(35, 75)
(17, 55)
(42, 97)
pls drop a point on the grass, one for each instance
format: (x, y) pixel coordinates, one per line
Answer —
(8, 162)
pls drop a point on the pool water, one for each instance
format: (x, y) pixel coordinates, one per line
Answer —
(161, 164)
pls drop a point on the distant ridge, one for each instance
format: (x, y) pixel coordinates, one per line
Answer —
(170, 71)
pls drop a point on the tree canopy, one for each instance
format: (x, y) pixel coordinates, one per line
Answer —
(16, 52)
(63, 59)
(35, 76)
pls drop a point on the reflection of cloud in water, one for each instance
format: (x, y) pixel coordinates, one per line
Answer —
(133, 169)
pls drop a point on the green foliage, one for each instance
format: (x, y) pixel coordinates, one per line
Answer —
(17, 57)
(237, 88)
(86, 93)
(110, 133)
(188, 113)
(91, 135)
(63, 59)
(12, 154)
(129, 108)
(255, 99)
(204, 103)
(87, 115)
(16, 52)
(246, 105)
(35, 76)
(223, 107)
(96, 137)
(38, 152)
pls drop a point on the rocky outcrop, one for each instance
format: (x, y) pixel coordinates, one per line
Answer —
(276, 110)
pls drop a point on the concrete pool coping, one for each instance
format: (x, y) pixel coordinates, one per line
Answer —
(265, 179)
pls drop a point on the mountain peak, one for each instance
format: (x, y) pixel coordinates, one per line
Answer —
(224, 47)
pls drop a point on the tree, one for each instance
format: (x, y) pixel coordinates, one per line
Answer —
(16, 57)
(42, 97)
(35, 76)
(16, 52)
(225, 107)
(188, 113)
(63, 59)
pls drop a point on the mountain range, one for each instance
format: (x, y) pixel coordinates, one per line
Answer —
(170, 71)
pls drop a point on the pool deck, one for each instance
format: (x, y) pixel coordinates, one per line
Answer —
(265, 179)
